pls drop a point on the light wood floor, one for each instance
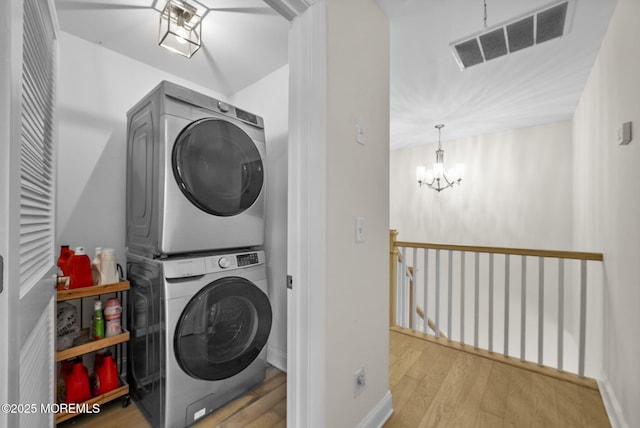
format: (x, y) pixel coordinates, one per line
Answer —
(431, 385)
(262, 407)
(437, 386)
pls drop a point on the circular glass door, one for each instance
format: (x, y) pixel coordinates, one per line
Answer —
(217, 167)
(222, 329)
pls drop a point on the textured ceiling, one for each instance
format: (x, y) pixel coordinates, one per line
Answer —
(537, 85)
(244, 40)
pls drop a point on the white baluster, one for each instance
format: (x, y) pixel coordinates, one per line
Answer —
(414, 288)
(403, 306)
(476, 307)
(507, 280)
(426, 292)
(540, 308)
(583, 316)
(450, 302)
(437, 293)
(523, 308)
(462, 286)
(491, 302)
(560, 312)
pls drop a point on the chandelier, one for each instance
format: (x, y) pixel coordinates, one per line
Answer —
(438, 178)
(180, 28)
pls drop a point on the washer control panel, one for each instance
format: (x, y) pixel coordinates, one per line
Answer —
(248, 259)
(224, 262)
(196, 266)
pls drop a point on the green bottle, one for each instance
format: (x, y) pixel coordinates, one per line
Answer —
(98, 321)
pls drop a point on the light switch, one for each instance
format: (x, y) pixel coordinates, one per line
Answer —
(359, 230)
(624, 133)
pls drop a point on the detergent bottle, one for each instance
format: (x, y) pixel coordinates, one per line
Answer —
(79, 269)
(108, 269)
(77, 384)
(63, 259)
(106, 374)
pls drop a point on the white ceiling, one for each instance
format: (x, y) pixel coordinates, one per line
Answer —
(244, 40)
(541, 84)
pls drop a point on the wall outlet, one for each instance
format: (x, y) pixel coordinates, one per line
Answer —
(359, 382)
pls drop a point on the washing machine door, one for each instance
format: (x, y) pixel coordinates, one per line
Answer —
(222, 329)
(217, 167)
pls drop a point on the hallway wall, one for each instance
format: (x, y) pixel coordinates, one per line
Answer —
(607, 203)
(516, 191)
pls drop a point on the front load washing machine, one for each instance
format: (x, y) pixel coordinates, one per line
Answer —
(195, 174)
(199, 326)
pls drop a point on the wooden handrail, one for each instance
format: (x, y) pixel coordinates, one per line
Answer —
(576, 255)
(419, 310)
(401, 294)
(430, 322)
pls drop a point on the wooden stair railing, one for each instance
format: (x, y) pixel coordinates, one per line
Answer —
(403, 307)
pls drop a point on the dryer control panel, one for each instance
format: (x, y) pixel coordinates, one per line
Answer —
(196, 266)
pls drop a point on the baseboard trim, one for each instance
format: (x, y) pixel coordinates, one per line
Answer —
(379, 414)
(611, 403)
(277, 358)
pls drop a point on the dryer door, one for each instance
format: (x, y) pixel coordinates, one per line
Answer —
(222, 329)
(217, 167)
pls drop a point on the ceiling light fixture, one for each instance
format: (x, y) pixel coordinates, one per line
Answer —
(180, 28)
(438, 178)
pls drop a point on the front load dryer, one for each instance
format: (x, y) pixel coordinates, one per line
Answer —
(195, 174)
(199, 327)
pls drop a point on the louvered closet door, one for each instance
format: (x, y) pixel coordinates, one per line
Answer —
(27, 208)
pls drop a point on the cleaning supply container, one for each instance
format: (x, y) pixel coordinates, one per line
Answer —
(77, 384)
(63, 259)
(98, 321)
(108, 267)
(79, 269)
(113, 315)
(95, 266)
(106, 374)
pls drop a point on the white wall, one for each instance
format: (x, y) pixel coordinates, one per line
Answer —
(96, 88)
(516, 191)
(607, 203)
(269, 98)
(357, 186)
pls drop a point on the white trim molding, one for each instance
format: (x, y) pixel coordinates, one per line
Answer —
(306, 229)
(277, 358)
(379, 414)
(290, 9)
(611, 403)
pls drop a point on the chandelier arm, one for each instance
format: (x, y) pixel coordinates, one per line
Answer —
(438, 187)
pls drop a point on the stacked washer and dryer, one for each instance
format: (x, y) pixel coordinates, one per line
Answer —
(199, 314)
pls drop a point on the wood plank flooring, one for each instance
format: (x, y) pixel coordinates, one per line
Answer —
(436, 386)
(262, 407)
(432, 386)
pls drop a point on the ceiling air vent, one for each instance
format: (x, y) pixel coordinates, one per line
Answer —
(533, 28)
